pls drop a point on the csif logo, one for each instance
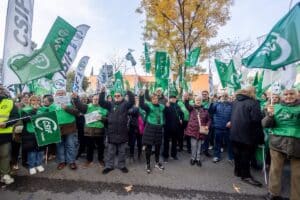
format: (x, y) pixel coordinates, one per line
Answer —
(46, 124)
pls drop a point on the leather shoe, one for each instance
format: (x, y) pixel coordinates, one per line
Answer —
(60, 166)
(73, 166)
(107, 170)
(193, 162)
(124, 170)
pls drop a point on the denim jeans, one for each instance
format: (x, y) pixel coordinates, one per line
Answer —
(35, 158)
(66, 150)
(220, 137)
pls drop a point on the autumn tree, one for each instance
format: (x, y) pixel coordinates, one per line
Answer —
(70, 81)
(178, 26)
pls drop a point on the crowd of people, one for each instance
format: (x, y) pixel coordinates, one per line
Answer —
(158, 126)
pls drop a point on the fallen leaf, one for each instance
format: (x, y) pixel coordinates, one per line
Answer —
(236, 188)
(128, 188)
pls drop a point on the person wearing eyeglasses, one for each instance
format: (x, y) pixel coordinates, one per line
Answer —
(284, 123)
(117, 131)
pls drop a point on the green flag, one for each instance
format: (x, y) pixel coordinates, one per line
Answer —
(147, 58)
(233, 77)
(281, 46)
(43, 62)
(223, 72)
(118, 84)
(192, 58)
(46, 128)
(60, 36)
(162, 67)
(255, 80)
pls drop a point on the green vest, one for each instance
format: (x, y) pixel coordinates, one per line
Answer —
(186, 114)
(287, 119)
(156, 114)
(6, 106)
(205, 104)
(101, 111)
(62, 116)
(29, 125)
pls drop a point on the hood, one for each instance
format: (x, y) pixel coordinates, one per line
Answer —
(242, 97)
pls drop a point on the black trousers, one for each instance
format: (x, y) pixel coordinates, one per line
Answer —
(149, 151)
(81, 137)
(135, 137)
(91, 145)
(242, 154)
(15, 152)
(173, 136)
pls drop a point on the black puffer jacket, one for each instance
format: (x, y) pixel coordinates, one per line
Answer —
(117, 131)
(246, 121)
(173, 115)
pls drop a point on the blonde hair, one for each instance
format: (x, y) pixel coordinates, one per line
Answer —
(248, 91)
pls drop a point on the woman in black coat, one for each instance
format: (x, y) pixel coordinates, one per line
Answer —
(245, 122)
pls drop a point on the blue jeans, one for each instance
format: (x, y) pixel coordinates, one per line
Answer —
(35, 158)
(66, 150)
(220, 137)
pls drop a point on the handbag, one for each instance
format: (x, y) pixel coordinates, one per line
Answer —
(202, 130)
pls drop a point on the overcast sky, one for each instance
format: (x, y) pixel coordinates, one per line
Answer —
(115, 26)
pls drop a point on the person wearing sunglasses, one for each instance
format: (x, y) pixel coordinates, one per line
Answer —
(117, 131)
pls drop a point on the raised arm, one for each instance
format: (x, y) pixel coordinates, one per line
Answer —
(131, 100)
(143, 105)
(102, 102)
(79, 105)
(147, 95)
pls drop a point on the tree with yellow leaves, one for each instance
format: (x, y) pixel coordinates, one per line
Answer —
(178, 26)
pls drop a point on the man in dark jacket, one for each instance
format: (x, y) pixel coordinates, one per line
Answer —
(221, 113)
(8, 112)
(284, 121)
(117, 131)
(245, 118)
(174, 118)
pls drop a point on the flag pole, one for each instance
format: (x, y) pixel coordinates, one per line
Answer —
(271, 88)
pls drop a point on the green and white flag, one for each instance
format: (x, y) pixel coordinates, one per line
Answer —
(118, 84)
(60, 36)
(234, 77)
(281, 46)
(46, 128)
(162, 69)
(223, 72)
(79, 74)
(147, 58)
(192, 58)
(40, 64)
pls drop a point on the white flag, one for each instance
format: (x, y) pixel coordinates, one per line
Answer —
(283, 77)
(59, 78)
(18, 32)
(79, 75)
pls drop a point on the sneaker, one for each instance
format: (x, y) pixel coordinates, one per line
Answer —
(107, 170)
(15, 167)
(7, 179)
(32, 171)
(192, 162)
(199, 163)
(210, 147)
(222, 150)
(216, 159)
(148, 169)
(124, 170)
(40, 168)
(159, 166)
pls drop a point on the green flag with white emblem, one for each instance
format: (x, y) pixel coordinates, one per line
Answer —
(40, 64)
(118, 84)
(234, 78)
(222, 71)
(46, 128)
(281, 46)
(192, 58)
(162, 68)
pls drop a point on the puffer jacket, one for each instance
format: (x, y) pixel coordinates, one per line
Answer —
(287, 145)
(117, 131)
(193, 126)
(221, 113)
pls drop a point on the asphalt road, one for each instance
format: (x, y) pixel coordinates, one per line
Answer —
(179, 180)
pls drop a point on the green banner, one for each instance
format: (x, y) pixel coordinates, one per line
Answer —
(192, 58)
(281, 46)
(40, 64)
(147, 58)
(162, 68)
(118, 84)
(46, 128)
(60, 36)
